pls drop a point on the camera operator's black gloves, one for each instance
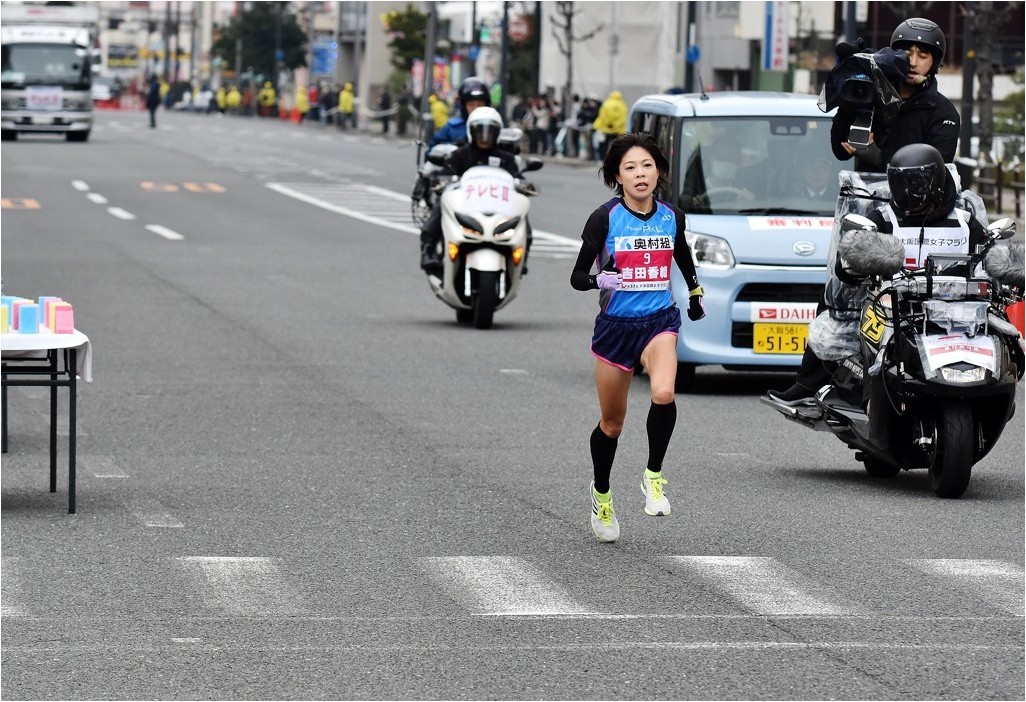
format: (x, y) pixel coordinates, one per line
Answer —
(696, 310)
(845, 49)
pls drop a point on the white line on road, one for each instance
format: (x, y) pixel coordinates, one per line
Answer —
(97, 198)
(153, 514)
(499, 586)
(1001, 582)
(165, 232)
(80, 185)
(760, 584)
(120, 213)
(293, 193)
(244, 586)
(102, 466)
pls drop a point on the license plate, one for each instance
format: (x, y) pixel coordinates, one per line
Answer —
(779, 338)
(42, 119)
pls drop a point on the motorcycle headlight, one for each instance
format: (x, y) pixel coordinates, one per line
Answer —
(710, 250)
(469, 224)
(954, 375)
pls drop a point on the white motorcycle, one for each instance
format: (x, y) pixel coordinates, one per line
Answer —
(484, 242)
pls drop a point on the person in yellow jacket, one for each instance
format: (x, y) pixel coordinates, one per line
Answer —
(346, 115)
(234, 100)
(267, 97)
(302, 101)
(222, 99)
(611, 121)
(439, 111)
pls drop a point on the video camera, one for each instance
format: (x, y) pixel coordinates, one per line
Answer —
(864, 83)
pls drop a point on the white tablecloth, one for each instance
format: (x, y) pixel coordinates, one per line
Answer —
(17, 345)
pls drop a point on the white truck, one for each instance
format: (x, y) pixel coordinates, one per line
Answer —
(46, 76)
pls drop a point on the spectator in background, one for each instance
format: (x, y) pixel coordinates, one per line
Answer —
(346, 115)
(234, 100)
(585, 118)
(267, 97)
(405, 102)
(539, 131)
(439, 111)
(153, 100)
(302, 102)
(611, 121)
(384, 108)
(571, 128)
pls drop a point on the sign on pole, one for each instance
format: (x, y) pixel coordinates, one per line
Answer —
(774, 42)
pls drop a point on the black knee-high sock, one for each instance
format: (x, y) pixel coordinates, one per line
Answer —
(661, 420)
(603, 450)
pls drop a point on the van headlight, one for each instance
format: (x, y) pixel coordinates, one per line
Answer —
(710, 250)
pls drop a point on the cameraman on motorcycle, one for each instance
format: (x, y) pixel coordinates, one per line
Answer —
(924, 116)
(482, 133)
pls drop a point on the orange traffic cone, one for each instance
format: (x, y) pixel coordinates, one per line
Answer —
(295, 115)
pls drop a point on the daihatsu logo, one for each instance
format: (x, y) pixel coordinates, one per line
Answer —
(804, 248)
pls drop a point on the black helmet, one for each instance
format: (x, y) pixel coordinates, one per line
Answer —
(924, 32)
(473, 88)
(917, 176)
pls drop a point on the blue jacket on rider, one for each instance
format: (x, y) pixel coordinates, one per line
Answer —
(452, 132)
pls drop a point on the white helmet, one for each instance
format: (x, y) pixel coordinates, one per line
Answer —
(484, 124)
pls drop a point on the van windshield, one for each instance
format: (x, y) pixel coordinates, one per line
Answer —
(758, 165)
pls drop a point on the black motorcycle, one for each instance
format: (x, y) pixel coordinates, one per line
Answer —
(931, 384)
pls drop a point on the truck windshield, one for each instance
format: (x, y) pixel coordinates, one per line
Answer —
(61, 65)
(757, 165)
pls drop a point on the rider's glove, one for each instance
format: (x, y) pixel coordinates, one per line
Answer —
(609, 280)
(844, 49)
(696, 310)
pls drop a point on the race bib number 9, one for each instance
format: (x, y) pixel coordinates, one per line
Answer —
(644, 261)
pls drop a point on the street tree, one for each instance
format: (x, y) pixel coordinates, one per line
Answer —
(987, 19)
(563, 32)
(250, 38)
(406, 31)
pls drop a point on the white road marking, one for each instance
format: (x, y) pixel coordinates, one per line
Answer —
(9, 577)
(499, 586)
(120, 213)
(759, 584)
(153, 514)
(998, 581)
(101, 466)
(242, 586)
(513, 371)
(165, 232)
(97, 198)
(80, 185)
(369, 203)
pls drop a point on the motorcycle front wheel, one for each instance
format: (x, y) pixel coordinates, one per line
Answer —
(952, 462)
(485, 299)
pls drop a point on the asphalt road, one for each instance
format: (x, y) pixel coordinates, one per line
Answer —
(299, 478)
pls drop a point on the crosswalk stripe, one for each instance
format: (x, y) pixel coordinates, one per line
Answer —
(499, 585)
(243, 586)
(761, 585)
(9, 577)
(1000, 582)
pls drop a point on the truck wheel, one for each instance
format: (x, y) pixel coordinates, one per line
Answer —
(8, 135)
(953, 451)
(78, 136)
(485, 299)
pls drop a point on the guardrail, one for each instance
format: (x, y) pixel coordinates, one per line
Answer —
(1000, 187)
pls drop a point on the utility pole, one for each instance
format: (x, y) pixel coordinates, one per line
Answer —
(475, 39)
(504, 61)
(689, 65)
(429, 64)
(167, 41)
(968, 79)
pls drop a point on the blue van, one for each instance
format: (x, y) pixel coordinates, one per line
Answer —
(755, 175)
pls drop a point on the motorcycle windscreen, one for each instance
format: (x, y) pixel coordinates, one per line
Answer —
(487, 190)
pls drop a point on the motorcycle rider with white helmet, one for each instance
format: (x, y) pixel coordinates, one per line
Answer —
(482, 133)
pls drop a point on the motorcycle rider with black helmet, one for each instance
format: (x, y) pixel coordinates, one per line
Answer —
(473, 93)
(924, 116)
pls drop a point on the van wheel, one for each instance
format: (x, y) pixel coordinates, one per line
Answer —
(685, 380)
